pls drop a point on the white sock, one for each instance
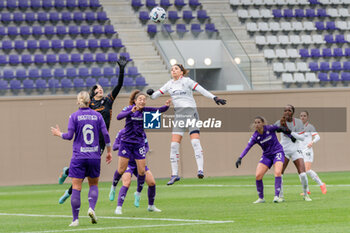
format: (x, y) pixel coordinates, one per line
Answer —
(315, 177)
(304, 182)
(281, 192)
(174, 157)
(198, 153)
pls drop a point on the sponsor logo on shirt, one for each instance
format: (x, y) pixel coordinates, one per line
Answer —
(87, 117)
(89, 149)
(266, 139)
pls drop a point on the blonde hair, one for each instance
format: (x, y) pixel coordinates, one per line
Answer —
(83, 99)
(134, 95)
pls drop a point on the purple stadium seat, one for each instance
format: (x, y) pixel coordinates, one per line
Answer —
(336, 65)
(126, 55)
(28, 86)
(108, 72)
(78, 17)
(90, 16)
(132, 71)
(21, 74)
(7, 44)
(331, 26)
(152, 29)
(88, 57)
(181, 28)
(340, 39)
(347, 52)
(18, 17)
(144, 16)
(26, 59)
(53, 84)
(310, 13)
(140, 83)
(61, 30)
(104, 82)
(210, 27)
(3, 86)
(112, 57)
(151, 3)
(86, 30)
(179, 3)
(288, 13)
(59, 73)
(23, 4)
(66, 84)
(35, 4)
(167, 28)
(66, 17)
(30, 17)
(323, 77)
(40, 85)
(106, 43)
(312, 2)
(83, 72)
(33, 73)
(6, 17)
(321, 13)
(94, 4)
(338, 52)
(173, 16)
(136, 3)
(39, 59)
(19, 45)
(68, 44)
(96, 72)
(59, 4)
(196, 28)
(187, 15)
(90, 82)
(9, 74)
(97, 29)
(72, 4)
(346, 65)
(109, 30)
(102, 16)
(194, 3)
(73, 30)
(277, 13)
(13, 31)
(24, 31)
(324, 66)
(44, 44)
(315, 53)
(81, 44)
(314, 66)
(32, 44)
(202, 15)
(299, 13)
(334, 77)
(42, 17)
(329, 39)
(56, 44)
(3, 59)
(76, 58)
(93, 44)
(46, 73)
(345, 76)
(15, 86)
(72, 73)
(37, 30)
(327, 52)
(3, 31)
(14, 59)
(165, 3)
(83, 3)
(49, 30)
(63, 58)
(117, 43)
(51, 59)
(320, 26)
(114, 81)
(101, 57)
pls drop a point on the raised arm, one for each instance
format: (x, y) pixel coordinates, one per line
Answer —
(67, 136)
(122, 63)
(152, 109)
(204, 92)
(155, 94)
(125, 112)
(245, 151)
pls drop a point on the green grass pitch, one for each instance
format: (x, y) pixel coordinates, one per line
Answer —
(220, 204)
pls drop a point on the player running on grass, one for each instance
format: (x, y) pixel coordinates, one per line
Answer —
(126, 179)
(273, 154)
(311, 137)
(132, 143)
(181, 90)
(102, 105)
(86, 124)
(291, 148)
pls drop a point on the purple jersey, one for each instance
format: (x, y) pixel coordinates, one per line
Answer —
(134, 132)
(86, 125)
(267, 141)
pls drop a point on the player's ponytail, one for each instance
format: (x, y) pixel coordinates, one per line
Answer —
(134, 95)
(83, 99)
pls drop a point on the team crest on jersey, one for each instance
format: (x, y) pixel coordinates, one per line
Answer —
(123, 152)
(258, 138)
(268, 132)
(102, 101)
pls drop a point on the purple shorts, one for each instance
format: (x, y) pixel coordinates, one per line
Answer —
(81, 168)
(132, 150)
(133, 170)
(272, 159)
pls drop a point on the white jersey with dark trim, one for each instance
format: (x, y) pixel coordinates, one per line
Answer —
(181, 92)
(308, 133)
(297, 126)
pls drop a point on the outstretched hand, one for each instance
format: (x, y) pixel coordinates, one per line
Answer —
(219, 101)
(109, 157)
(238, 162)
(122, 61)
(56, 131)
(93, 91)
(168, 102)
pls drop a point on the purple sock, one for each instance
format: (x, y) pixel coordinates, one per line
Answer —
(116, 178)
(140, 182)
(151, 194)
(93, 196)
(122, 194)
(260, 188)
(278, 183)
(75, 203)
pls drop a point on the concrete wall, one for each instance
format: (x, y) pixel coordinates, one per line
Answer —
(30, 155)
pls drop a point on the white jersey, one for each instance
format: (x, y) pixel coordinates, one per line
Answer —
(296, 126)
(308, 133)
(181, 92)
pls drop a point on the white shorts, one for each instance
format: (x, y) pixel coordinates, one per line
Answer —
(188, 117)
(308, 155)
(294, 155)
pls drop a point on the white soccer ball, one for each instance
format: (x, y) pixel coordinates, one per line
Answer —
(157, 14)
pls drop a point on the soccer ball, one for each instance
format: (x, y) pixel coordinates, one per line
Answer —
(157, 14)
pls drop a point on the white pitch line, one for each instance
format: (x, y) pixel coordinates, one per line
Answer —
(122, 218)
(110, 228)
